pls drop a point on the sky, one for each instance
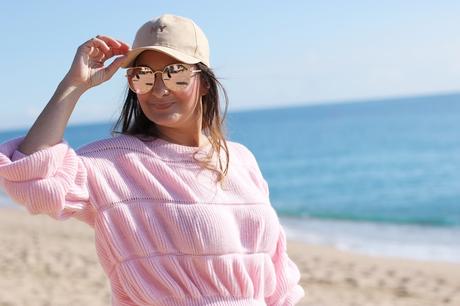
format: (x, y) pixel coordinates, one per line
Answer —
(267, 54)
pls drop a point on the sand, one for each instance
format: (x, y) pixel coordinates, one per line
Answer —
(48, 262)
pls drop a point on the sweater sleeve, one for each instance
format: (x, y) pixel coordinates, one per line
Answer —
(287, 290)
(51, 181)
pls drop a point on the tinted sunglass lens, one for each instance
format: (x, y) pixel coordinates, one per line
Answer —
(140, 79)
(176, 77)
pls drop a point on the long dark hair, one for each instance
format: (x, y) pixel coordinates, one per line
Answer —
(132, 120)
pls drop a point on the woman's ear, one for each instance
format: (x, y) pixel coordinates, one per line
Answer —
(204, 87)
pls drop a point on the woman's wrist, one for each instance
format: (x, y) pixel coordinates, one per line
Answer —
(69, 83)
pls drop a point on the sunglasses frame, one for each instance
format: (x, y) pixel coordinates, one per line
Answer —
(188, 66)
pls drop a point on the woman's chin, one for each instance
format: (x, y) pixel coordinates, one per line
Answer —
(165, 119)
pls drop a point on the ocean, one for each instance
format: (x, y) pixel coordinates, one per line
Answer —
(378, 177)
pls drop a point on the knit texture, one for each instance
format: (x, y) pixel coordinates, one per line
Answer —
(165, 232)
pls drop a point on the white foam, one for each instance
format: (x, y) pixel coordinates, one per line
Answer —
(406, 241)
(5, 201)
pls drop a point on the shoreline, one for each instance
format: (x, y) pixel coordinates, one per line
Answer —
(48, 262)
(404, 241)
(400, 241)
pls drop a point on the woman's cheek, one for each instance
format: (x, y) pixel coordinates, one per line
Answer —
(190, 89)
(187, 92)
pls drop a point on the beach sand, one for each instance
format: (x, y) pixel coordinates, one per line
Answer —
(53, 263)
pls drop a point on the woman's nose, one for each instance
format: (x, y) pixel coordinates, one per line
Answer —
(159, 88)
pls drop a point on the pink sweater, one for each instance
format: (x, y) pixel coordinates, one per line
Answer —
(165, 233)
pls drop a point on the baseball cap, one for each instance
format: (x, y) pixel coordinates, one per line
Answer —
(176, 36)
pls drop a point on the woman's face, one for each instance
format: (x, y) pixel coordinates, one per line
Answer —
(166, 108)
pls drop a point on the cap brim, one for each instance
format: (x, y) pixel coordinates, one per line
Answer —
(132, 54)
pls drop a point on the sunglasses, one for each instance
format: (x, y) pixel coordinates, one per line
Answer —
(176, 77)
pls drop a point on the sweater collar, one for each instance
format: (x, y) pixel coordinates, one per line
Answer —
(173, 151)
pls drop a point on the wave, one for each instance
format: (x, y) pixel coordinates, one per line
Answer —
(405, 241)
(402, 219)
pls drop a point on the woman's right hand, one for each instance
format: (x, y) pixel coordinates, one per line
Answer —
(88, 69)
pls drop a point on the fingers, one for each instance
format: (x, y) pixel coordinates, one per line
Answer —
(114, 66)
(115, 43)
(104, 47)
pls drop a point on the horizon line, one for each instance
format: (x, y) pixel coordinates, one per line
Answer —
(318, 103)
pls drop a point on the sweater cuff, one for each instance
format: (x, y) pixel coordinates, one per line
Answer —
(41, 164)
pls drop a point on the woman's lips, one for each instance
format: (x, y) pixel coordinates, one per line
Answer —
(162, 106)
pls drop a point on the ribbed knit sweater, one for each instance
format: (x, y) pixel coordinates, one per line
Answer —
(165, 232)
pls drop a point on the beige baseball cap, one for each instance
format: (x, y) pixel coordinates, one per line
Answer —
(176, 36)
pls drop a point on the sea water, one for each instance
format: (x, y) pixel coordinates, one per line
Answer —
(377, 177)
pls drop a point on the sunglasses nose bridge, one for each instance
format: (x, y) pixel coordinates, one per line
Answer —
(159, 86)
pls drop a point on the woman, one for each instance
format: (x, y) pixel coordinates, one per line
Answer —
(181, 216)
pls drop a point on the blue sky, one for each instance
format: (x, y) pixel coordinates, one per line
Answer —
(267, 53)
